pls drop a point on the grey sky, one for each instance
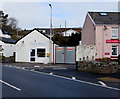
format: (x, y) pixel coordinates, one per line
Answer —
(37, 14)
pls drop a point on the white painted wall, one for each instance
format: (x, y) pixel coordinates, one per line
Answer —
(8, 49)
(85, 52)
(69, 32)
(33, 40)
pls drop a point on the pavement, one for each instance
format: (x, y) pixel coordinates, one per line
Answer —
(68, 70)
(23, 82)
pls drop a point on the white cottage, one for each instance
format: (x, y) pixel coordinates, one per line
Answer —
(34, 47)
(7, 45)
(69, 32)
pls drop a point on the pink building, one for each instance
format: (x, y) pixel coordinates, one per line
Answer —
(102, 29)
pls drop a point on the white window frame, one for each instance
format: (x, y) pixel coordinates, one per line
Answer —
(115, 46)
(114, 35)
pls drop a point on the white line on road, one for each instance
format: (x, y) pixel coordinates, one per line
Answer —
(23, 67)
(10, 85)
(36, 66)
(73, 78)
(102, 83)
(81, 81)
(117, 89)
(51, 73)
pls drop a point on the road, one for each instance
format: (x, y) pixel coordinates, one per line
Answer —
(70, 71)
(17, 82)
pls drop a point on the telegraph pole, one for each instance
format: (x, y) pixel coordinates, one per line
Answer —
(65, 27)
(50, 59)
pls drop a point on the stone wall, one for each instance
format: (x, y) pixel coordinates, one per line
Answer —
(98, 67)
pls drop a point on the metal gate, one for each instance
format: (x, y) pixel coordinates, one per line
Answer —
(65, 55)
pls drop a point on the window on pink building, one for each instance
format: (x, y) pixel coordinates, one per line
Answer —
(114, 33)
(115, 50)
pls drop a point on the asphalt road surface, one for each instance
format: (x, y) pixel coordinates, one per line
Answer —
(17, 82)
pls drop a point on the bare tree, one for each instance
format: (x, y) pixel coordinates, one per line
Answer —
(9, 24)
(12, 22)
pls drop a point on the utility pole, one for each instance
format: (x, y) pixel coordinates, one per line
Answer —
(65, 27)
(50, 59)
(60, 30)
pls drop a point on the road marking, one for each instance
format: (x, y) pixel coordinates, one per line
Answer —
(59, 68)
(10, 65)
(10, 85)
(23, 67)
(32, 70)
(36, 66)
(51, 73)
(102, 83)
(117, 89)
(73, 78)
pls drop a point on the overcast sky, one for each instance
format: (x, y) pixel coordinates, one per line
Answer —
(37, 14)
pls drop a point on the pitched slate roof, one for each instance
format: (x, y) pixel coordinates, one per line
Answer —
(105, 17)
(7, 40)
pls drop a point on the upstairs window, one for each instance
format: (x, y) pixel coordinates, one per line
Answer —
(114, 33)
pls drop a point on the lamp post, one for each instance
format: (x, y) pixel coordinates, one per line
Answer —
(50, 59)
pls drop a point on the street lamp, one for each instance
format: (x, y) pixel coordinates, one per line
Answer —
(50, 59)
